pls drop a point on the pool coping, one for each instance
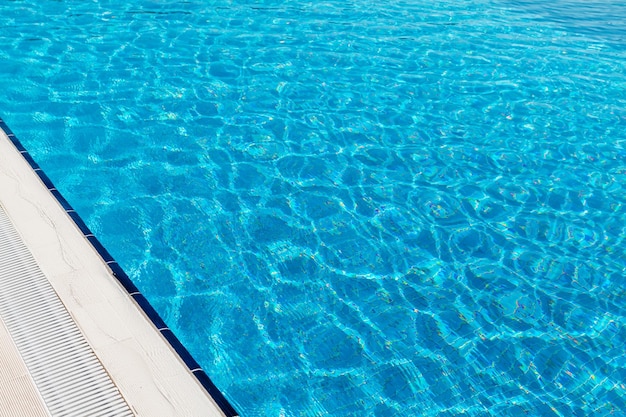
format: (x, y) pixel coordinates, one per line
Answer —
(115, 270)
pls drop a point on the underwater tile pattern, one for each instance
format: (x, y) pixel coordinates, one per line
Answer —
(350, 208)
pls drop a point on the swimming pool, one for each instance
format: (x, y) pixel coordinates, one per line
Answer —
(350, 208)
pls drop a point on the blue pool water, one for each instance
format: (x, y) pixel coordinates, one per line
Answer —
(350, 208)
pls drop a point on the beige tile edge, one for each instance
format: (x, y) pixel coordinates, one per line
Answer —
(150, 376)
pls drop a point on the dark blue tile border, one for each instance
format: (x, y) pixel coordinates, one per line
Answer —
(126, 282)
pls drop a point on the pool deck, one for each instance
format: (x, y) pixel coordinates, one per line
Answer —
(149, 373)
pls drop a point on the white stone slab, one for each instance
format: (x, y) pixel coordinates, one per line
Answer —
(148, 373)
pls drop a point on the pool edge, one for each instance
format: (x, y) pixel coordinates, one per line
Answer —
(124, 281)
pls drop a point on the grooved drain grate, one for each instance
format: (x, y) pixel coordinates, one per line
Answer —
(66, 371)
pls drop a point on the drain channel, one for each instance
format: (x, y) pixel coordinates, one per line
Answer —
(66, 371)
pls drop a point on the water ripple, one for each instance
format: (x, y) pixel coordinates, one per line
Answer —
(350, 209)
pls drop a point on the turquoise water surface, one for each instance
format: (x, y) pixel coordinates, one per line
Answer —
(350, 208)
